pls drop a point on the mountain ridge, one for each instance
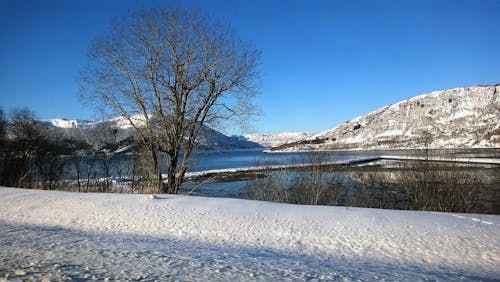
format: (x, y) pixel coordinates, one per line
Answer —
(209, 139)
(464, 117)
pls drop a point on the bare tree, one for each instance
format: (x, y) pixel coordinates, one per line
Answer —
(169, 73)
(24, 133)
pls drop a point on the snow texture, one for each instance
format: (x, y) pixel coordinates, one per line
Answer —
(57, 235)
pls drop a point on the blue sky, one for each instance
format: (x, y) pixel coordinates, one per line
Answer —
(323, 62)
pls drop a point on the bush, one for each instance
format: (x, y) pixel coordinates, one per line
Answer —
(444, 187)
(414, 185)
(314, 186)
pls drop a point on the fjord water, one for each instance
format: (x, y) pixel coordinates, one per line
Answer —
(207, 160)
(201, 161)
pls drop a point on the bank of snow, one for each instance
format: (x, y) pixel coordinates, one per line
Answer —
(58, 235)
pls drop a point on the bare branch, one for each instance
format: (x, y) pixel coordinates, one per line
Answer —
(177, 71)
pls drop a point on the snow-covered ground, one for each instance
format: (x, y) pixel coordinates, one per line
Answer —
(57, 235)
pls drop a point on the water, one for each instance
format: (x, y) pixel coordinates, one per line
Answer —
(382, 174)
(201, 161)
(247, 158)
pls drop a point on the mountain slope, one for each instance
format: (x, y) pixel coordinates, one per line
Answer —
(272, 140)
(455, 118)
(209, 139)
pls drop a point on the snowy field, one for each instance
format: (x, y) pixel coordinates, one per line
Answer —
(60, 235)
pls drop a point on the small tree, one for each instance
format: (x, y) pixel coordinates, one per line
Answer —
(169, 73)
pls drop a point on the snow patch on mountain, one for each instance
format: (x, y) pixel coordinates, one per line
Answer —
(128, 123)
(64, 123)
(271, 140)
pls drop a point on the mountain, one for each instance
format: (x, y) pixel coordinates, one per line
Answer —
(272, 140)
(116, 122)
(209, 139)
(68, 123)
(455, 118)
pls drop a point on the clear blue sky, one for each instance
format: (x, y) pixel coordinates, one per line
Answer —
(324, 62)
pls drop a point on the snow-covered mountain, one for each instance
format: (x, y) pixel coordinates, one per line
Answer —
(209, 138)
(118, 122)
(68, 123)
(455, 118)
(272, 140)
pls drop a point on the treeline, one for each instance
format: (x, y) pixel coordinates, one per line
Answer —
(36, 155)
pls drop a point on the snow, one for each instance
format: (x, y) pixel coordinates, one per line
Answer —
(57, 235)
(456, 115)
(396, 132)
(272, 140)
(64, 123)
(470, 111)
(124, 123)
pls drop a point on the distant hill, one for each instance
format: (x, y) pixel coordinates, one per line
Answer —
(209, 138)
(456, 118)
(68, 123)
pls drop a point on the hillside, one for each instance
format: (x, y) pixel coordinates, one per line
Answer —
(272, 140)
(209, 138)
(455, 118)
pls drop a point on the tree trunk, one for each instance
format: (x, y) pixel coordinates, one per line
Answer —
(171, 175)
(158, 181)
